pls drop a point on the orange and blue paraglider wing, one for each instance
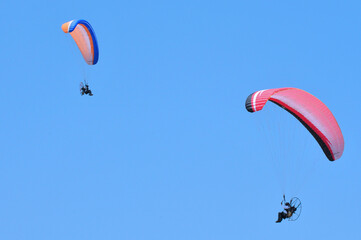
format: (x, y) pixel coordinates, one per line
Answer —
(84, 36)
(309, 110)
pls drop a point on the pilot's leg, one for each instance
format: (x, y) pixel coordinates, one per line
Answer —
(280, 217)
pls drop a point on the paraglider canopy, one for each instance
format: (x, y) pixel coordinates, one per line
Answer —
(309, 110)
(84, 36)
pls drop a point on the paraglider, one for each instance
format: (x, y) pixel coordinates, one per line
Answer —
(314, 115)
(84, 36)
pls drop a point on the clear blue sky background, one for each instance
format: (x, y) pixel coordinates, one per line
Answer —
(165, 148)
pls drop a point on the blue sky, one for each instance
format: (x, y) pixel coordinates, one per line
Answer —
(165, 148)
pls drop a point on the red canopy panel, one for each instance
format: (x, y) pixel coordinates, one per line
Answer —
(309, 110)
